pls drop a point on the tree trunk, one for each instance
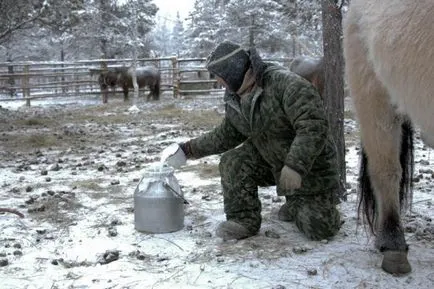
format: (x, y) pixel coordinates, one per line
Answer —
(62, 59)
(104, 19)
(134, 64)
(334, 81)
(252, 31)
(11, 79)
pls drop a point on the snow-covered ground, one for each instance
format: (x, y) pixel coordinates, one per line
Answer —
(72, 170)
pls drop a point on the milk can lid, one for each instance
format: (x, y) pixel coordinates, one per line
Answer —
(159, 169)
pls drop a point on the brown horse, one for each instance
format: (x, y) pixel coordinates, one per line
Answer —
(311, 69)
(122, 76)
(388, 50)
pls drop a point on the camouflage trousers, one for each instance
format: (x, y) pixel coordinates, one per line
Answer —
(243, 170)
(315, 215)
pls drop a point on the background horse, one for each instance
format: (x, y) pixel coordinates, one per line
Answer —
(122, 76)
(390, 69)
(311, 69)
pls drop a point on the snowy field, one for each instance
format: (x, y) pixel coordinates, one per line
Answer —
(72, 168)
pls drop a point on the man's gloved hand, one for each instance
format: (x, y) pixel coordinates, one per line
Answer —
(289, 179)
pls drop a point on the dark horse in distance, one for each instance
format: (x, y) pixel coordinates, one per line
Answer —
(122, 76)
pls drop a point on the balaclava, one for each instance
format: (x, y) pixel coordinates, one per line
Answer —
(230, 62)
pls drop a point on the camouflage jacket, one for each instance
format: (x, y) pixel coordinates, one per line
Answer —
(286, 121)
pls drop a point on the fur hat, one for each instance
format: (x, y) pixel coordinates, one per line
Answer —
(230, 62)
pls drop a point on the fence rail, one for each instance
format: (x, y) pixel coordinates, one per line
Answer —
(35, 80)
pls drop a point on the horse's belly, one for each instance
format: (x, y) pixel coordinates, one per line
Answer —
(427, 129)
(420, 110)
(418, 105)
(428, 139)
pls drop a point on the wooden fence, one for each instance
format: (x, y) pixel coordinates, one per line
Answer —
(35, 80)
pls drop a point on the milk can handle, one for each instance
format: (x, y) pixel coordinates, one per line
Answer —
(167, 186)
(147, 184)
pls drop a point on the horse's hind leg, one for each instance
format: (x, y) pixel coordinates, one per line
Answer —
(153, 93)
(157, 89)
(125, 90)
(104, 95)
(380, 129)
(103, 88)
(156, 92)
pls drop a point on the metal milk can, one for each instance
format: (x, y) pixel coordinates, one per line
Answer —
(158, 201)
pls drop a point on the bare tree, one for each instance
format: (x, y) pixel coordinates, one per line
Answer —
(18, 14)
(334, 79)
(62, 17)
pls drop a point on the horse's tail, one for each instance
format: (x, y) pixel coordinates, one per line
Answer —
(367, 199)
(406, 159)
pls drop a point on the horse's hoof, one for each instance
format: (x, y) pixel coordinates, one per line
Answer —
(396, 262)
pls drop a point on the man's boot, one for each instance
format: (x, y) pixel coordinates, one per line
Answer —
(230, 230)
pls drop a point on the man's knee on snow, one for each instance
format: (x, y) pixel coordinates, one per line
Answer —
(318, 221)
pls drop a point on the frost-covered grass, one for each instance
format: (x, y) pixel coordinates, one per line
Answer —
(77, 198)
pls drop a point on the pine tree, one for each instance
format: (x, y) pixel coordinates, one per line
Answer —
(60, 20)
(177, 39)
(109, 25)
(160, 36)
(303, 24)
(17, 15)
(277, 27)
(204, 27)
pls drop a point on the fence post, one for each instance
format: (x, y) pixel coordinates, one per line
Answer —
(26, 84)
(11, 79)
(62, 59)
(77, 78)
(176, 78)
(104, 90)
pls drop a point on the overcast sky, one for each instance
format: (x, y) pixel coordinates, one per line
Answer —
(168, 8)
